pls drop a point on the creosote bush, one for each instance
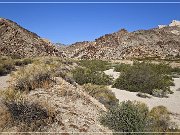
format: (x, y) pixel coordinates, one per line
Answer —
(145, 77)
(33, 76)
(85, 75)
(102, 94)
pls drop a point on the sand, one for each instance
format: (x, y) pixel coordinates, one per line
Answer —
(4, 82)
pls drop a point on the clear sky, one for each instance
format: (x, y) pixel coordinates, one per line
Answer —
(69, 23)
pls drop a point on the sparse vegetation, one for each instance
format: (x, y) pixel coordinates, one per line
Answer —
(23, 62)
(102, 94)
(33, 76)
(6, 65)
(85, 75)
(26, 115)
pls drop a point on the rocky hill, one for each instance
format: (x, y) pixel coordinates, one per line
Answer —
(18, 42)
(162, 42)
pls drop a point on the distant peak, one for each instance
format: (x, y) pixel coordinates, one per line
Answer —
(173, 23)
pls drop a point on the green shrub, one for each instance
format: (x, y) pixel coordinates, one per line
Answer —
(126, 117)
(83, 76)
(102, 94)
(144, 77)
(133, 116)
(121, 67)
(33, 76)
(95, 65)
(176, 70)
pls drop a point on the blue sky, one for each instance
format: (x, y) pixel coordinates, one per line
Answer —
(69, 23)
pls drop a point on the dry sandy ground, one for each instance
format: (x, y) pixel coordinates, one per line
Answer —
(172, 103)
(4, 81)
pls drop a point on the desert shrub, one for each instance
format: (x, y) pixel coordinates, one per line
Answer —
(95, 65)
(126, 117)
(6, 65)
(121, 67)
(83, 76)
(133, 116)
(176, 70)
(33, 76)
(22, 62)
(144, 77)
(28, 116)
(160, 119)
(102, 94)
(159, 93)
(10, 95)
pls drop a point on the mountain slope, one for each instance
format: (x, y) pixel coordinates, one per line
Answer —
(162, 42)
(18, 42)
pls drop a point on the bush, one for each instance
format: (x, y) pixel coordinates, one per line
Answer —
(159, 93)
(24, 114)
(28, 116)
(22, 62)
(126, 117)
(33, 76)
(144, 77)
(160, 119)
(83, 76)
(95, 65)
(134, 116)
(6, 66)
(102, 94)
(121, 67)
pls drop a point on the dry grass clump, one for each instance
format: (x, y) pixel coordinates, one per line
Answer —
(160, 118)
(23, 114)
(23, 62)
(33, 76)
(102, 94)
(6, 65)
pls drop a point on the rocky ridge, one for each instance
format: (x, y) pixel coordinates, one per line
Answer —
(162, 42)
(18, 42)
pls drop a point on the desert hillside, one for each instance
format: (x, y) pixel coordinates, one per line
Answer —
(162, 42)
(89, 87)
(18, 42)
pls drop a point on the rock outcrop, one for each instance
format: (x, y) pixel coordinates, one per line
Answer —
(161, 43)
(18, 42)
